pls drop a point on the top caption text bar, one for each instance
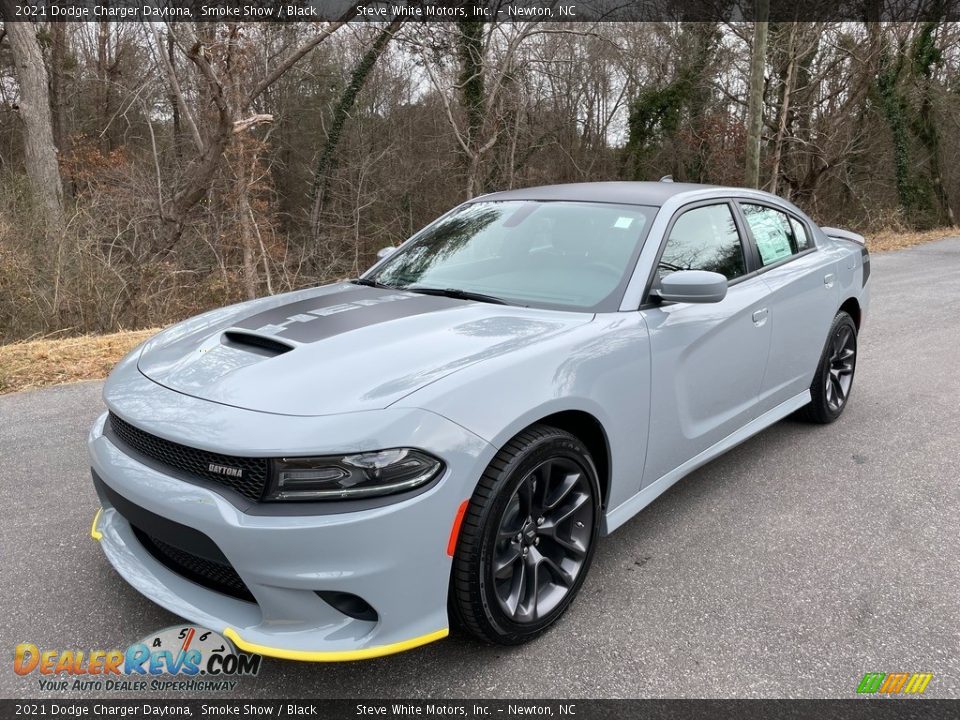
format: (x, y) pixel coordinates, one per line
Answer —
(481, 10)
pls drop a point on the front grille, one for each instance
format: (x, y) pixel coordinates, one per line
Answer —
(212, 575)
(195, 462)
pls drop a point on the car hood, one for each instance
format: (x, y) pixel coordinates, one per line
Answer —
(338, 348)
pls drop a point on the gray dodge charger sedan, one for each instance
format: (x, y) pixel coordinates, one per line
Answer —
(347, 471)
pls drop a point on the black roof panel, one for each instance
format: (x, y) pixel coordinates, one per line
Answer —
(628, 193)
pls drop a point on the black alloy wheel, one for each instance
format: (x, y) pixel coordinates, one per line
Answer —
(542, 540)
(833, 380)
(527, 538)
(843, 357)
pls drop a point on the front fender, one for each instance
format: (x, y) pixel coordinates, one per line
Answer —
(601, 368)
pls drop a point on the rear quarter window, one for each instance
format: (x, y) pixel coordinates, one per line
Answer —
(801, 234)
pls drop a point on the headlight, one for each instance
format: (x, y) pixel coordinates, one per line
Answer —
(383, 472)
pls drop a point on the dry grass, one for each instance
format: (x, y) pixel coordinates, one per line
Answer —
(39, 363)
(892, 239)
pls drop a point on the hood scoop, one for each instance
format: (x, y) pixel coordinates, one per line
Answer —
(357, 348)
(252, 342)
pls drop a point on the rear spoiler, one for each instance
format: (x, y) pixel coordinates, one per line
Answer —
(840, 234)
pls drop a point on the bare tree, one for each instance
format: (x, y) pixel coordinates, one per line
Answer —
(205, 163)
(758, 57)
(340, 115)
(40, 151)
(59, 48)
(480, 86)
(783, 112)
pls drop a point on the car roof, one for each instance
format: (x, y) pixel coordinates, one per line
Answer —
(629, 193)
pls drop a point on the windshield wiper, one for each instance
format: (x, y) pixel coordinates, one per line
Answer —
(372, 283)
(456, 293)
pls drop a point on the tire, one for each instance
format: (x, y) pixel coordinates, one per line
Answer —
(542, 565)
(833, 381)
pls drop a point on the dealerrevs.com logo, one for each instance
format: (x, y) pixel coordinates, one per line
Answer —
(182, 658)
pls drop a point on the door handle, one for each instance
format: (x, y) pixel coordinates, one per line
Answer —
(828, 280)
(760, 317)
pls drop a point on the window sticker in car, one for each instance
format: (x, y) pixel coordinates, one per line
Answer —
(771, 232)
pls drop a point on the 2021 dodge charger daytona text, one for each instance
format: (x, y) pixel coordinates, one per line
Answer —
(341, 472)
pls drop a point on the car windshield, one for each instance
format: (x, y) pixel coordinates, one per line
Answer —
(561, 255)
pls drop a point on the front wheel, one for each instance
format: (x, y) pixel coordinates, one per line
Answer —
(527, 538)
(833, 380)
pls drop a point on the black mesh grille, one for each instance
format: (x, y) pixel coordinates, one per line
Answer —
(212, 575)
(195, 462)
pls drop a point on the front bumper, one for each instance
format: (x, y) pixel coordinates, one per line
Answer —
(394, 556)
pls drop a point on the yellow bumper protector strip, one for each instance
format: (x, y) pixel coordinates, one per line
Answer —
(94, 533)
(334, 655)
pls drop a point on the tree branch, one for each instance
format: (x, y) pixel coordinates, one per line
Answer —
(177, 92)
(446, 103)
(240, 125)
(294, 57)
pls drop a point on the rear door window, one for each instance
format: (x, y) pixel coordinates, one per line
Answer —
(773, 232)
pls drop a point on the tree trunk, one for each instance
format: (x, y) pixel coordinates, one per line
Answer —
(926, 55)
(202, 168)
(103, 84)
(758, 58)
(472, 96)
(473, 172)
(895, 111)
(784, 110)
(247, 238)
(699, 41)
(340, 116)
(39, 149)
(172, 97)
(58, 57)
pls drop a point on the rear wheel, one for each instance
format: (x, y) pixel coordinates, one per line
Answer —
(527, 538)
(833, 380)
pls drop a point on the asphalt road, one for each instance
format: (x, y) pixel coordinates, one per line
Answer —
(787, 568)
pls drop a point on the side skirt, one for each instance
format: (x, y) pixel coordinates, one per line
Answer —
(626, 510)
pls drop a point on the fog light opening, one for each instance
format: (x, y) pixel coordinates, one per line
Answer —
(349, 604)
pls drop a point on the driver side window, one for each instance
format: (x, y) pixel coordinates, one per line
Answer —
(704, 238)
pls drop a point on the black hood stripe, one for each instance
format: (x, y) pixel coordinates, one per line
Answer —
(314, 319)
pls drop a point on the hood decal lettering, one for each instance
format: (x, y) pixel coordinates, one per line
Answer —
(352, 308)
(354, 359)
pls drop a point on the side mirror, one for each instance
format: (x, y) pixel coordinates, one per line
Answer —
(384, 252)
(693, 286)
